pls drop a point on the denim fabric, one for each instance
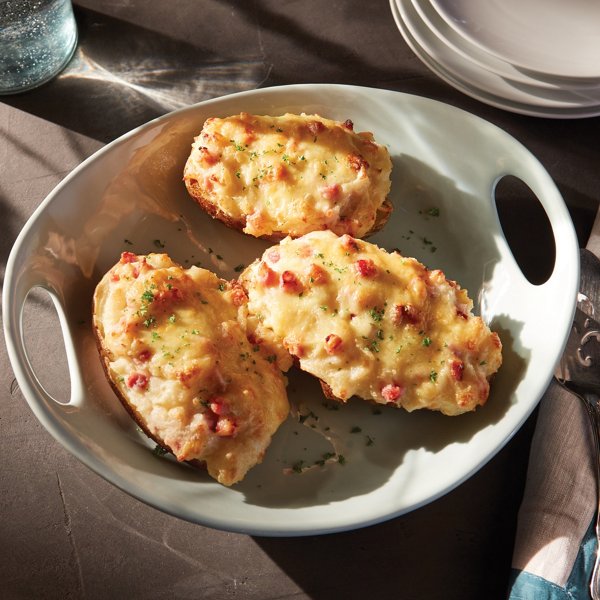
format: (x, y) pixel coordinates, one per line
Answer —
(526, 586)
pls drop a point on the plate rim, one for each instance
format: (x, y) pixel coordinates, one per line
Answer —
(455, 22)
(479, 93)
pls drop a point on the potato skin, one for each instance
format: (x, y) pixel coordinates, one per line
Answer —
(273, 177)
(176, 354)
(371, 323)
(104, 353)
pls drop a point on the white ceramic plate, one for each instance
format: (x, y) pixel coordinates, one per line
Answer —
(443, 158)
(480, 83)
(553, 37)
(580, 91)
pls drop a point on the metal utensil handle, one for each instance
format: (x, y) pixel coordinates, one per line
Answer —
(591, 402)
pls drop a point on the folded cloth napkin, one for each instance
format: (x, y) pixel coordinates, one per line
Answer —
(555, 543)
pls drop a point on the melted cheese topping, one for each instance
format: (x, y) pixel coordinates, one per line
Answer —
(176, 352)
(290, 175)
(373, 324)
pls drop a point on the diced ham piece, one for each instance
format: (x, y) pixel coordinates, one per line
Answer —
(456, 368)
(168, 295)
(349, 243)
(238, 295)
(137, 380)
(278, 173)
(391, 392)
(144, 355)
(333, 343)
(496, 340)
(357, 162)
(315, 127)
(331, 192)
(273, 255)
(128, 257)
(365, 267)
(294, 348)
(218, 405)
(405, 313)
(266, 275)
(290, 283)
(317, 274)
(207, 157)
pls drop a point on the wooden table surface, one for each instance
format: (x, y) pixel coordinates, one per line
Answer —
(67, 533)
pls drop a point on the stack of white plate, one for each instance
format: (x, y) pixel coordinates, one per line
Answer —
(534, 57)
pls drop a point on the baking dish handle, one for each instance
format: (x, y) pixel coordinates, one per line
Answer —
(565, 273)
(14, 305)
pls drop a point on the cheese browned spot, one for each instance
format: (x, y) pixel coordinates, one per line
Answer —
(289, 175)
(179, 359)
(372, 324)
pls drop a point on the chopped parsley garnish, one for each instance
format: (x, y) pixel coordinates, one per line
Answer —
(433, 376)
(239, 268)
(297, 466)
(147, 296)
(356, 429)
(369, 441)
(150, 321)
(341, 459)
(271, 358)
(331, 406)
(222, 287)
(373, 346)
(172, 318)
(237, 146)
(426, 341)
(159, 451)
(158, 243)
(377, 313)
(309, 414)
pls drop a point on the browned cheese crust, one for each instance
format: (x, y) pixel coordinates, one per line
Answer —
(178, 358)
(370, 323)
(277, 176)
